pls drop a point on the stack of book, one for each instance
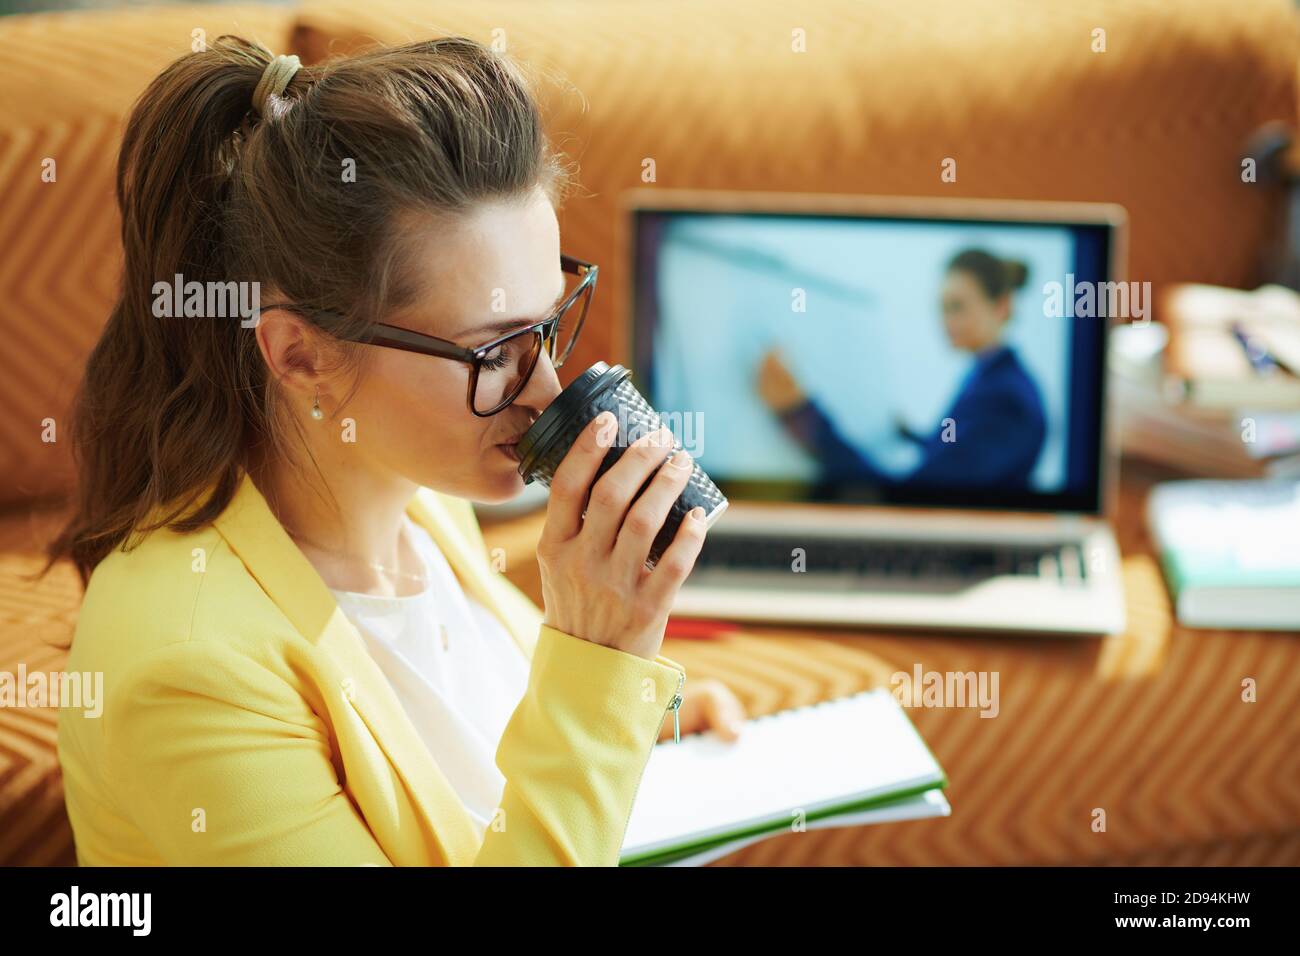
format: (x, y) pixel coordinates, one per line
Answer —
(1214, 392)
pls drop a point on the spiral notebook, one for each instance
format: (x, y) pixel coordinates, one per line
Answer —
(847, 762)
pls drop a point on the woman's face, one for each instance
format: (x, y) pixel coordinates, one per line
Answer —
(485, 273)
(972, 320)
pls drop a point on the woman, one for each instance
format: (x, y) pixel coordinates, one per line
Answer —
(307, 658)
(994, 431)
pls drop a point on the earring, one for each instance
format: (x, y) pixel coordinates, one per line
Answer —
(316, 413)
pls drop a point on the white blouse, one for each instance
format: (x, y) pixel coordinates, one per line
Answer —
(457, 671)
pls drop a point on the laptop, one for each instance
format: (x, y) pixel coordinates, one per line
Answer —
(904, 401)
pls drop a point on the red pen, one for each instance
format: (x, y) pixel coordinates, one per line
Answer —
(699, 628)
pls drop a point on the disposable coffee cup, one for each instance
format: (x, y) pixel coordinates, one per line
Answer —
(599, 389)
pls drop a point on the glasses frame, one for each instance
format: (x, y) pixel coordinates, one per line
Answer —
(408, 340)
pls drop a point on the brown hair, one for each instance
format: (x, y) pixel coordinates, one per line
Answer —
(997, 277)
(215, 193)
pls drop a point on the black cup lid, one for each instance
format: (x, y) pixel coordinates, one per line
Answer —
(567, 404)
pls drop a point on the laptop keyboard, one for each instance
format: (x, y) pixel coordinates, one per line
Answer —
(885, 561)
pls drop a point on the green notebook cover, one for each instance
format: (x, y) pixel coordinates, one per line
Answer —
(879, 802)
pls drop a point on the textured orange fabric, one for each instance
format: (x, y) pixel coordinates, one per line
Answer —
(36, 624)
(1013, 91)
(67, 82)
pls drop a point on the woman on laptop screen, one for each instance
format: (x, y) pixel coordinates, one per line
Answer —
(993, 432)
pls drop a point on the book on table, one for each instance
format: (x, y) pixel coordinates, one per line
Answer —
(1230, 551)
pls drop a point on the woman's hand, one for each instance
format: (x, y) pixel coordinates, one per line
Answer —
(592, 553)
(708, 705)
(776, 386)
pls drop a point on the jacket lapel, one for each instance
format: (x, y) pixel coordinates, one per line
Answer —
(290, 580)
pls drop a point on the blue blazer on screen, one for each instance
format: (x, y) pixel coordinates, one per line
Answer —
(996, 434)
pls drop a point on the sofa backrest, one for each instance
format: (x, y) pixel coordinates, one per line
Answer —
(67, 83)
(1017, 93)
(844, 96)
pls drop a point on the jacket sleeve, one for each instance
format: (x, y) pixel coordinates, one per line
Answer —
(813, 429)
(574, 751)
(219, 763)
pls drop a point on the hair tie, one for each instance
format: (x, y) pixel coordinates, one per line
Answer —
(274, 79)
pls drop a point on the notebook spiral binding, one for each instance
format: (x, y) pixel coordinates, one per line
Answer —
(800, 707)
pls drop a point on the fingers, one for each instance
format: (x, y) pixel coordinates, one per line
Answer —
(777, 385)
(771, 379)
(649, 512)
(662, 584)
(723, 711)
(573, 478)
(612, 495)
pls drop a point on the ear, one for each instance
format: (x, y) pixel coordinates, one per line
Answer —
(291, 348)
(1003, 306)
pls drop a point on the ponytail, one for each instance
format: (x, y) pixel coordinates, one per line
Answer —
(997, 277)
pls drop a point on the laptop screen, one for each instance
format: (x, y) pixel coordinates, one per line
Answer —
(877, 360)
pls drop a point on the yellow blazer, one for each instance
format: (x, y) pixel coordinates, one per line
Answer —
(244, 723)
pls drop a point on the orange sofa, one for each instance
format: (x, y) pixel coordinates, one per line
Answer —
(851, 96)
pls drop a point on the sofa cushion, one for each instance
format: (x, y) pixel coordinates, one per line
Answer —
(37, 619)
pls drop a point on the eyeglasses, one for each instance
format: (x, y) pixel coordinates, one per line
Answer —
(500, 369)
